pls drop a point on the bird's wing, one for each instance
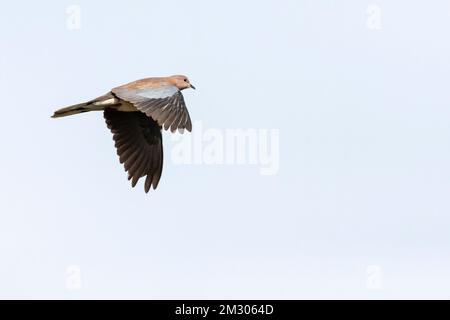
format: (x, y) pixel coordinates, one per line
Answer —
(138, 142)
(164, 104)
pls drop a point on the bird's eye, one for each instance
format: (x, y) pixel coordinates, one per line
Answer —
(185, 80)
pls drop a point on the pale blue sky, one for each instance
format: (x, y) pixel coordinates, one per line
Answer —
(363, 118)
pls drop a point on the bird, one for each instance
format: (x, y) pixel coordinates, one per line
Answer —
(136, 114)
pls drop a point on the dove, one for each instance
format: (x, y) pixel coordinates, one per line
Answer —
(136, 113)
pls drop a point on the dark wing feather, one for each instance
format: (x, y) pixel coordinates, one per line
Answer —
(139, 145)
(164, 104)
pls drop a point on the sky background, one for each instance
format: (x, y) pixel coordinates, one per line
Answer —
(359, 207)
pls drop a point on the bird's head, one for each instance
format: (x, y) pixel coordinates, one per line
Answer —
(181, 82)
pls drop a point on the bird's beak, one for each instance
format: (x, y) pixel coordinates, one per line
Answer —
(190, 85)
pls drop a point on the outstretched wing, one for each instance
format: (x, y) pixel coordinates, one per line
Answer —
(138, 142)
(164, 104)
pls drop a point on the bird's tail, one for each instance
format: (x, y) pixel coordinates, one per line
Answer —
(75, 109)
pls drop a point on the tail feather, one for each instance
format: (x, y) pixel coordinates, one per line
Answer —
(75, 109)
(100, 103)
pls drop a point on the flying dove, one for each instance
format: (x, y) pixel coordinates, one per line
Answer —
(136, 113)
